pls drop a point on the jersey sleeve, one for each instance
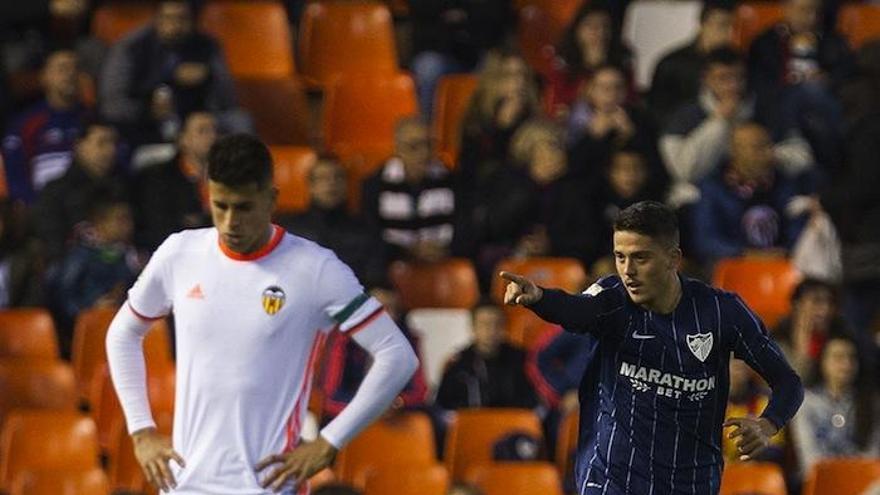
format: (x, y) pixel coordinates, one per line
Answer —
(342, 297)
(150, 297)
(587, 312)
(751, 343)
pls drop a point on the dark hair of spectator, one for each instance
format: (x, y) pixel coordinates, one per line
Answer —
(485, 302)
(238, 160)
(569, 47)
(725, 56)
(810, 284)
(710, 6)
(102, 199)
(652, 219)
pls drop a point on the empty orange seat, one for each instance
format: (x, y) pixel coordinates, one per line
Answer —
(561, 273)
(842, 476)
(27, 332)
(859, 23)
(427, 480)
(292, 165)
(90, 482)
(405, 441)
(113, 20)
(473, 433)
(46, 440)
(757, 478)
(566, 443)
(36, 384)
(753, 18)
(446, 284)
(345, 38)
(255, 36)
(451, 102)
(764, 283)
(279, 107)
(517, 478)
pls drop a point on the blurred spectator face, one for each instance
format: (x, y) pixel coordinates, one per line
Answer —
(752, 151)
(802, 15)
(548, 162)
(627, 174)
(462, 489)
(839, 363)
(115, 224)
(594, 30)
(513, 77)
(725, 81)
(817, 306)
(96, 150)
(327, 184)
(389, 299)
(739, 376)
(60, 76)
(413, 144)
(716, 30)
(173, 22)
(488, 329)
(607, 90)
(199, 133)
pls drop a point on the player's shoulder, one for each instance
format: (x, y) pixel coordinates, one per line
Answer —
(305, 248)
(607, 283)
(188, 240)
(704, 292)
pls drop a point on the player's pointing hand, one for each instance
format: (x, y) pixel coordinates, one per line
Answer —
(298, 465)
(753, 435)
(520, 290)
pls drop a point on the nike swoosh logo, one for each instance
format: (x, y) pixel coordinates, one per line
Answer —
(640, 336)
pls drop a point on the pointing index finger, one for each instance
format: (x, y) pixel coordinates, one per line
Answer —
(513, 277)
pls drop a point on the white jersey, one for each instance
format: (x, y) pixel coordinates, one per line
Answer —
(248, 331)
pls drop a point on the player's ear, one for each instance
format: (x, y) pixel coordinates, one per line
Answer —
(675, 257)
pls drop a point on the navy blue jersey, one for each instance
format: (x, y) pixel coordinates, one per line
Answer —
(654, 395)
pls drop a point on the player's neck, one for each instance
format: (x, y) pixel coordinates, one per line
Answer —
(669, 299)
(261, 242)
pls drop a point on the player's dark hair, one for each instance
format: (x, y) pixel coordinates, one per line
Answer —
(724, 55)
(652, 219)
(238, 160)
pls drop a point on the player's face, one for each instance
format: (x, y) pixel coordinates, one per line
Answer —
(242, 214)
(646, 266)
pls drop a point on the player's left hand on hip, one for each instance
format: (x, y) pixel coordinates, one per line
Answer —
(753, 435)
(298, 465)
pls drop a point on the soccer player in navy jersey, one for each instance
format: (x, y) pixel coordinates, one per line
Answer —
(654, 395)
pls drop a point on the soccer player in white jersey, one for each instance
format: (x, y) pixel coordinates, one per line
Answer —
(252, 305)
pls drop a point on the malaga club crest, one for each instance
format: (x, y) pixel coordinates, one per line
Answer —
(700, 345)
(273, 299)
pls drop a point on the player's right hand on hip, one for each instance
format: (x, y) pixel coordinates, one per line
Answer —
(153, 452)
(520, 290)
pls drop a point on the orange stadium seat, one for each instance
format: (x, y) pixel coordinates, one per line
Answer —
(451, 101)
(427, 480)
(525, 328)
(471, 436)
(566, 443)
(764, 283)
(36, 384)
(753, 18)
(753, 478)
(279, 107)
(540, 28)
(563, 273)
(517, 478)
(27, 332)
(113, 20)
(86, 482)
(859, 23)
(255, 36)
(123, 469)
(38, 440)
(104, 406)
(842, 477)
(338, 38)
(292, 165)
(404, 441)
(451, 283)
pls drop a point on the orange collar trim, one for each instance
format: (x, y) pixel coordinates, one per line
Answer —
(277, 235)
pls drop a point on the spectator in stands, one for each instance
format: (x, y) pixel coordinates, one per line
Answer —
(100, 267)
(410, 200)
(38, 146)
(63, 203)
(20, 267)
(743, 206)
(505, 97)
(588, 44)
(696, 141)
(839, 416)
(453, 37)
(747, 399)
(463, 489)
(678, 75)
(814, 318)
(601, 121)
(347, 364)
(328, 222)
(795, 67)
(156, 76)
(172, 196)
(488, 373)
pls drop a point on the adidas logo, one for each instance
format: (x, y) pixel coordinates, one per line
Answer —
(196, 292)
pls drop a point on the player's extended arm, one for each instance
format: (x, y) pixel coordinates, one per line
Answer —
(125, 355)
(394, 362)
